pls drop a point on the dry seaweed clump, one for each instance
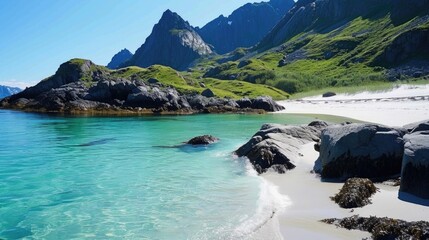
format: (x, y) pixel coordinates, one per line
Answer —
(384, 228)
(355, 193)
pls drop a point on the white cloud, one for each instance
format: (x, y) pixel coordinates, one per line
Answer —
(16, 83)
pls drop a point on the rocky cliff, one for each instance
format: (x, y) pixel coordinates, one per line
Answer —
(173, 42)
(318, 15)
(246, 26)
(120, 59)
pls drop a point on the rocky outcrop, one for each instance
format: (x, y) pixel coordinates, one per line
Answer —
(317, 14)
(355, 193)
(203, 140)
(120, 59)
(415, 164)
(6, 91)
(81, 86)
(173, 42)
(360, 150)
(228, 33)
(418, 126)
(384, 228)
(277, 146)
(406, 46)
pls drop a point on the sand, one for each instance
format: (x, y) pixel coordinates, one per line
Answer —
(396, 107)
(310, 197)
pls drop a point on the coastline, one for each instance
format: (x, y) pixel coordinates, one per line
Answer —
(301, 219)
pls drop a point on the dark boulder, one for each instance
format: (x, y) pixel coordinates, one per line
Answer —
(329, 94)
(384, 228)
(277, 146)
(360, 150)
(197, 101)
(203, 140)
(418, 126)
(355, 193)
(244, 103)
(153, 81)
(208, 93)
(415, 165)
(266, 103)
(155, 98)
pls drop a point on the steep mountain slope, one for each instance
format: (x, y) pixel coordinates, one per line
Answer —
(120, 58)
(246, 26)
(331, 43)
(6, 91)
(173, 42)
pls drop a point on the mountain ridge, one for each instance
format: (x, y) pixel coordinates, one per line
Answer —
(173, 42)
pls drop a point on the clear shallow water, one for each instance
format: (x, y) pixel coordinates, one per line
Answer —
(105, 177)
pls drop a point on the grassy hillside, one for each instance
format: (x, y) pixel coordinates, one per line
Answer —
(349, 54)
(186, 82)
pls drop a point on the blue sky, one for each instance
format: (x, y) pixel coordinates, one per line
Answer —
(37, 36)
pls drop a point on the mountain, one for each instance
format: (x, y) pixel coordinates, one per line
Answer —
(336, 43)
(120, 58)
(246, 26)
(6, 91)
(173, 42)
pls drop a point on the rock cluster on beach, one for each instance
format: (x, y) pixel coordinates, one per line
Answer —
(384, 228)
(347, 151)
(276, 146)
(355, 193)
(81, 86)
(353, 153)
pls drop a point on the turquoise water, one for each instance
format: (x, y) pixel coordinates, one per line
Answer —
(111, 177)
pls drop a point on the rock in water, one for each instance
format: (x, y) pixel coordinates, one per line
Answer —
(360, 150)
(415, 165)
(276, 146)
(355, 193)
(384, 228)
(203, 140)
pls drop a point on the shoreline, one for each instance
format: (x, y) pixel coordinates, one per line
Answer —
(301, 219)
(402, 105)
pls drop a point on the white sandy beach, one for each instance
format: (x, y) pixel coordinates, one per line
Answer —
(309, 196)
(401, 105)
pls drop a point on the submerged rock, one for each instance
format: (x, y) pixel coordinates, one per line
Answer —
(415, 165)
(360, 150)
(355, 193)
(384, 228)
(277, 146)
(203, 140)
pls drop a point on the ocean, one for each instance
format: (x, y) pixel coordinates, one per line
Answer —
(68, 177)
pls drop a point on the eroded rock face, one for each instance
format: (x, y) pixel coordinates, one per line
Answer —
(173, 42)
(415, 165)
(203, 140)
(277, 146)
(360, 150)
(355, 193)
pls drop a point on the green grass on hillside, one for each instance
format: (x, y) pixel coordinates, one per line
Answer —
(343, 57)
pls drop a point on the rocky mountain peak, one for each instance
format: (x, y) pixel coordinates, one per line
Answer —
(173, 42)
(120, 58)
(246, 26)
